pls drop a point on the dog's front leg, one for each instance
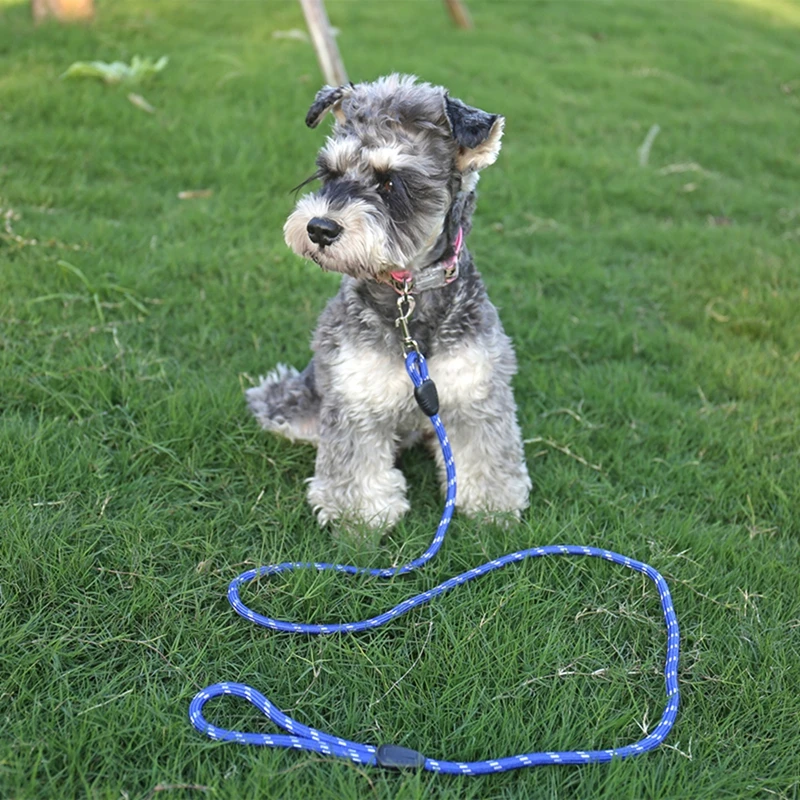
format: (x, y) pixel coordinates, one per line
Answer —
(492, 476)
(355, 479)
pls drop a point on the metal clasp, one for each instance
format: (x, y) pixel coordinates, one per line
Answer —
(405, 308)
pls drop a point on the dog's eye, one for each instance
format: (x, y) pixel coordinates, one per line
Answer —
(385, 184)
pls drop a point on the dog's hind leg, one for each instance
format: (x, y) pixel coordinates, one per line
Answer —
(286, 402)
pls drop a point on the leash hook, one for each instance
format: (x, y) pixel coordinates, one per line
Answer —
(405, 308)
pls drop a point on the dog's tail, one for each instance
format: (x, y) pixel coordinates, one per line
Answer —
(286, 402)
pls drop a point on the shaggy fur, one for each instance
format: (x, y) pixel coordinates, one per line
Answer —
(398, 178)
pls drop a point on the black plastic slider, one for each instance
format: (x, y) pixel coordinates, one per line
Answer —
(392, 756)
(427, 397)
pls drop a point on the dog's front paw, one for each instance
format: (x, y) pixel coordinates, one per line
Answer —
(498, 501)
(374, 506)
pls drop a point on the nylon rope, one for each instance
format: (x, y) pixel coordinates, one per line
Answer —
(302, 737)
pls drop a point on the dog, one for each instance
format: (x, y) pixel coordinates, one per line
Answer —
(397, 194)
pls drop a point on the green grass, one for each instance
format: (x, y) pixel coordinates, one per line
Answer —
(654, 312)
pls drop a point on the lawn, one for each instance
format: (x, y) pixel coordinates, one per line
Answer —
(654, 307)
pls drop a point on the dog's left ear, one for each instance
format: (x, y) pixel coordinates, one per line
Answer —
(478, 134)
(329, 98)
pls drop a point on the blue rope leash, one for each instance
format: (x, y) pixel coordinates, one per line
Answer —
(302, 737)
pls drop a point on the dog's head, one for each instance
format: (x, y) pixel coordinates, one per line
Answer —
(399, 154)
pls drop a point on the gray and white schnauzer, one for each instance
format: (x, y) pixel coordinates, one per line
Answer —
(398, 177)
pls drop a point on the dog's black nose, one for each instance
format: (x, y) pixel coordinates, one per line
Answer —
(323, 231)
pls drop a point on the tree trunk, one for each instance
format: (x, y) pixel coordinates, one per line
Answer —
(458, 12)
(64, 10)
(327, 52)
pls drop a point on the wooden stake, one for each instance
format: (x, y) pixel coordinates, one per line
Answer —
(63, 10)
(458, 12)
(319, 27)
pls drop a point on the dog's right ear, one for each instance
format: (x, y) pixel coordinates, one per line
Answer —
(329, 98)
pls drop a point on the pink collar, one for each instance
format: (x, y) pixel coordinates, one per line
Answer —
(434, 277)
